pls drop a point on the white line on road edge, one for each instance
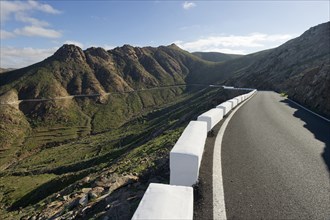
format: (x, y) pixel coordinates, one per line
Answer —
(309, 110)
(219, 209)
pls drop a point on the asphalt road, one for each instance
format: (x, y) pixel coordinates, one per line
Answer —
(275, 161)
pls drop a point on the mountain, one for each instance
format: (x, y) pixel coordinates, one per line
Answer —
(101, 122)
(215, 56)
(97, 71)
(51, 146)
(3, 70)
(300, 68)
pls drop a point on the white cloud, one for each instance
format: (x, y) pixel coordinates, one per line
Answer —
(43, 7)
(77, 43)
(32, 31)
(7, 8)
(6, 34)
(21, 11)
(188, 5)
(235, 43)
(108, 47)
(12, 57)
(26, 19)
(104, 46)
(228, 51)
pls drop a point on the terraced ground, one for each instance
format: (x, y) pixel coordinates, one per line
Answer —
(52, 158)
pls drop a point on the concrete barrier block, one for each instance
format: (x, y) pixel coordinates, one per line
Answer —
(226, 106)
(212, 117)
(162, 201)
(186, 155)
(234, 102)
(239, 99)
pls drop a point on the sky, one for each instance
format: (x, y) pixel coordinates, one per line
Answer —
(33, 30)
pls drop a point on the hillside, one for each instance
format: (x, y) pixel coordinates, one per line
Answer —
(300, 68)
(49, 148)
(3, 70)
(106, 119)
(216, 56)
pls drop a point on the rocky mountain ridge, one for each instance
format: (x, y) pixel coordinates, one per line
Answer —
(300, 68)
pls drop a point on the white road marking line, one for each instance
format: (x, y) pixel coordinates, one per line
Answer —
(219, 209)
(309, 110)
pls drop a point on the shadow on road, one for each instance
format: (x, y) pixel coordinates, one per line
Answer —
(318, 126)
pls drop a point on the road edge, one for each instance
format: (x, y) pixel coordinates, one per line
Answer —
(314, 113)
(219, 209)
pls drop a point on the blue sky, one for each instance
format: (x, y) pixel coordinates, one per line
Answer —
(34, 30)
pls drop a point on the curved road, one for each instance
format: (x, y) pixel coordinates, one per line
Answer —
(275, 161)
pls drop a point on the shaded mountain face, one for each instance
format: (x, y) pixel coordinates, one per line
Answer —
(215, 56)
(300, 68)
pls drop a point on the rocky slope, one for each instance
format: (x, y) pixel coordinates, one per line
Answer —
(72, 71)
(96, 70)
(300, 68)
(48, 147)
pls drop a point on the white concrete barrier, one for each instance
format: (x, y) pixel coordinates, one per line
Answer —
(239, 99)
(211, 117)
(176, 201)
(186, 155)
(162, 201)
(234, 102)
(226, 106)
(242, 98)
(252, 92)
(248, 95)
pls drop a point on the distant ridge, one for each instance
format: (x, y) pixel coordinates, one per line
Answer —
(215, 56)
(300, 68)
(3, 70)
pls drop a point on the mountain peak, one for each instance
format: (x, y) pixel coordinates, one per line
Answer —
(97, 51)
(70, 52)
(174, 46)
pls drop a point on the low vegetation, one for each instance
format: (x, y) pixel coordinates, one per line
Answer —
(284, 94)
(129, 134)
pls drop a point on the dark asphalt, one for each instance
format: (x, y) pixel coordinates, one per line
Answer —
(203, 191)
(275, 161)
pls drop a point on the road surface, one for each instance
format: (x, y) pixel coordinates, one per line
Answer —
(275, 161)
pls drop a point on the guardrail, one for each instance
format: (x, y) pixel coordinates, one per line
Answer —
(175, 201)
(211, 117)
(162, 201)
(186, 155)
